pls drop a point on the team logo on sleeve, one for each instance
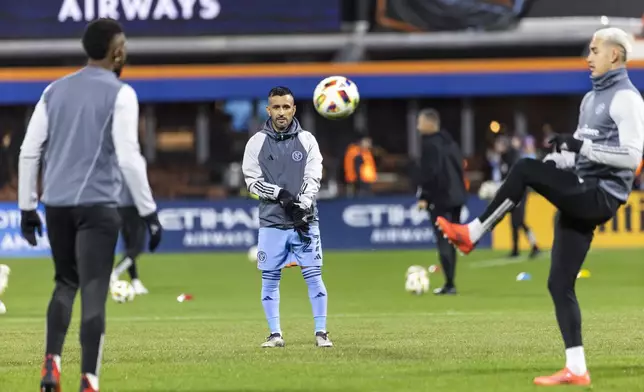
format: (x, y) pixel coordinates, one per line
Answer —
(297, 156)
(261, 256)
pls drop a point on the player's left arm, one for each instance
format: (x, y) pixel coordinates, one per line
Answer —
(627, 111)
(312, 170)
(30, 156)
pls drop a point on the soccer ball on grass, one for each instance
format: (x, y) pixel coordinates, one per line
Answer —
(417, 280)
(122, 291)
(336, 97)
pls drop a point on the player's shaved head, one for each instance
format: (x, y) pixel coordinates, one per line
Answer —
(104, 44)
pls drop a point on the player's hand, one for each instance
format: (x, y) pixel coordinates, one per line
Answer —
(30, 223)
(422, 204)
(565, 142)
(154, 229)
(286, 200)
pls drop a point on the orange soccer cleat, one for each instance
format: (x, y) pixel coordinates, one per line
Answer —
(50, 375)
(86, 385)
(563, 377)
(457, 235)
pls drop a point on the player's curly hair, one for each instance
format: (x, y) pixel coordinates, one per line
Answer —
(98, 36)
(280, 91)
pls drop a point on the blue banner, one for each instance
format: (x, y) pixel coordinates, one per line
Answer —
(67, 18)
(372, 87)
(231, 225)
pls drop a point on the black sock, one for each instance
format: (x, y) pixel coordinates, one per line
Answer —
(134, 273)
(515, 240)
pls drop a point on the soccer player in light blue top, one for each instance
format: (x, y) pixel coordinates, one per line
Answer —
(283, 166)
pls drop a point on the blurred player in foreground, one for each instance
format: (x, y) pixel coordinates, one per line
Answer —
(587, 179)
(85, 130)
(282, 165)
(133, 231)
(441, 188)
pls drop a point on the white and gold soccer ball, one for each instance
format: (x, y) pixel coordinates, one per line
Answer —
(336, 97)
(417, 280)
(488, 189)
(122, 291)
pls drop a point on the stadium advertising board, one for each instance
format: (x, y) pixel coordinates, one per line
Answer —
(625, 230)
(140, 18)
(231, 225)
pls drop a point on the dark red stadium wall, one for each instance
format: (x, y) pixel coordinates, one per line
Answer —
(401, 79)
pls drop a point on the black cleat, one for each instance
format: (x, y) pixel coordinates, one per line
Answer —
(535, 252)
(445, 291)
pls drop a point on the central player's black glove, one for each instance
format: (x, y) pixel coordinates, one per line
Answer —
(565, 142)
(154, 229)
(287, 201)
(30, 223)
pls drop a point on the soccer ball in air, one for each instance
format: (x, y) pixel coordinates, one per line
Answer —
(417, 280)
(336, 97)
(122, 291)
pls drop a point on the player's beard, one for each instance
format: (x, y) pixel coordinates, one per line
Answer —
(118, 70)
(280, 128)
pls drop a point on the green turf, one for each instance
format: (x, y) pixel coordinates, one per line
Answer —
(495, 336)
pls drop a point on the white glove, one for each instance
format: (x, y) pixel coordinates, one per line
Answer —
(563, 159)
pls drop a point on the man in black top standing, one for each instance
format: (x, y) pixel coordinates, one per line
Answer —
(441, 188)
(509, 156)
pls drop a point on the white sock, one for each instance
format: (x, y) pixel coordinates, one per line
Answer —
(575, 360)
(476, 230)
(531, 238)
(57, 362)
(93, 380)
(122, 267)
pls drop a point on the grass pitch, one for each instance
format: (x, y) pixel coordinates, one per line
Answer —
(495, 336)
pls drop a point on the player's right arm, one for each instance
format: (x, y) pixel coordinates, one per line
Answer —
(125, 133)
(253, 171)
(30, 156)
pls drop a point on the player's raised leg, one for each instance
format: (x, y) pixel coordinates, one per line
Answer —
(272, 255)
(133, 232)
(571, 243)
(558, 186)
(307, 250)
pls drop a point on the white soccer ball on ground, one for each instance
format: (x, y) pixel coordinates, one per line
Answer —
(417, 280)
(122, 291)
(336, 97)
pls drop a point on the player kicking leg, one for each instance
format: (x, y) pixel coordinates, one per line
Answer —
(4, 282)
(133, 231)
(582, 205)
(307, 249)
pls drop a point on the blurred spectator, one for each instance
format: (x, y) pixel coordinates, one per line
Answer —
(360, 168)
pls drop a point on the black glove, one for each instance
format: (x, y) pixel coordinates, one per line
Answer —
(30, 223)
(154, 229)
(300, 220)
(565, 142)
(287, 201)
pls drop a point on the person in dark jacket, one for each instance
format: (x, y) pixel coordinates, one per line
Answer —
(441, 187)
